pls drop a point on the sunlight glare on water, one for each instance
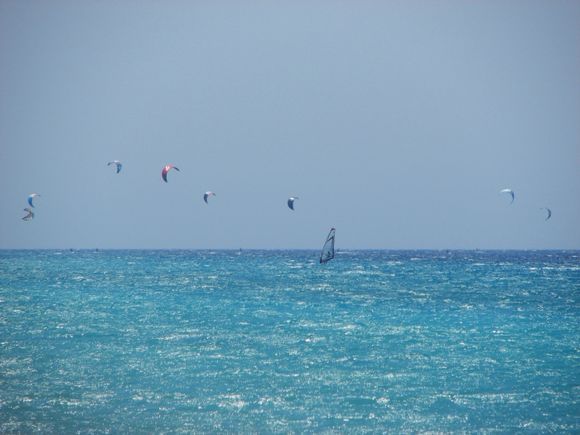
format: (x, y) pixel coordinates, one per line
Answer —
(271, 341)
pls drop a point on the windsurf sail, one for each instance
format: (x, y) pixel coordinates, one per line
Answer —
(327, 253)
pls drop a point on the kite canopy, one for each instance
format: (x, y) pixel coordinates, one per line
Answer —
(291, 202)
(207, 195)
(31, 197)
(549, 212)
(166, 169)
(327, 252)
(30, 214)
(117, 163)
(510, 192)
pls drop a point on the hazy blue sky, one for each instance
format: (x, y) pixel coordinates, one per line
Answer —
(397, 122)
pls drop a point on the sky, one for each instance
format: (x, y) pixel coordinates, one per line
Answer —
(397, 122)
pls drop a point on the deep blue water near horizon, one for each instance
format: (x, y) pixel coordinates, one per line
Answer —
(272, 341)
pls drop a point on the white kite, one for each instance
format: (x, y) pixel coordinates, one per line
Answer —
(511, 192)
(206, 195)
(117, 163)
(31, 197)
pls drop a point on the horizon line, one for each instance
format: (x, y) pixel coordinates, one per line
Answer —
(296, 249)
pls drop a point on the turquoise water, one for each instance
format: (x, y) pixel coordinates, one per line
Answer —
(271, 341)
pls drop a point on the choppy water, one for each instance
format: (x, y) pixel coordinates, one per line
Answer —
(271, 341)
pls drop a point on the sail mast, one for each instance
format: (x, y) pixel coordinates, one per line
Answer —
(327, 252)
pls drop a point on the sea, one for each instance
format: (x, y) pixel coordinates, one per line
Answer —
(269, 341)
